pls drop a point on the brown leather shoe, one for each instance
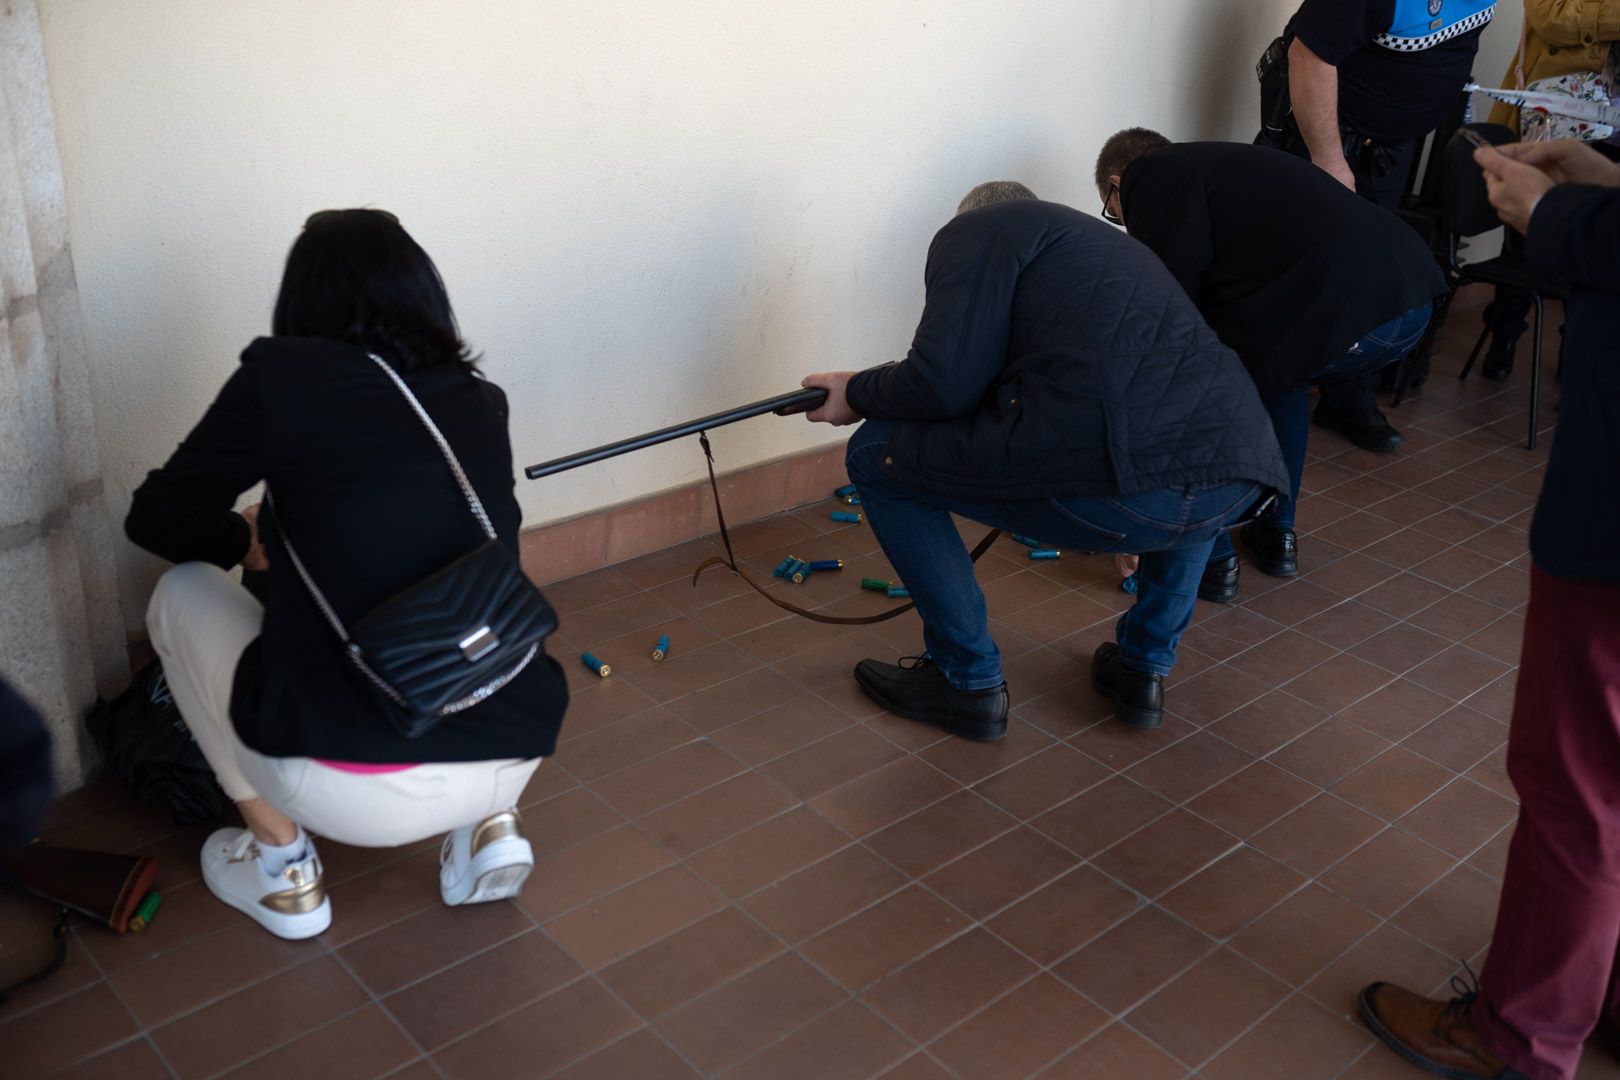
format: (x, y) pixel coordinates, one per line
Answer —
(1435, 1035)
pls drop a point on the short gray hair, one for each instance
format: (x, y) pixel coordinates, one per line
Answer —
(993, 193)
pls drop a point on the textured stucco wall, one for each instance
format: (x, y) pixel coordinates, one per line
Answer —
(644, 210)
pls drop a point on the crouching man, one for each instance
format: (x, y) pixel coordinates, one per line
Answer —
(1060, 385)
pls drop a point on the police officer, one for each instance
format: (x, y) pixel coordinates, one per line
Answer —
(1368, 79)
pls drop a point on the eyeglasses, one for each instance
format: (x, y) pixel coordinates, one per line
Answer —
(1107, 214)
(327, 215)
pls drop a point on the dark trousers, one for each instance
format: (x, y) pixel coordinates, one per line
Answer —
(1552, 962)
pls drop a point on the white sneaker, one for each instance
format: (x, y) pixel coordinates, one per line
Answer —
(486, 861)
(291, 904)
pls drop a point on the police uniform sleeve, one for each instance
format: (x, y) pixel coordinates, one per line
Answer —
(1333, 29)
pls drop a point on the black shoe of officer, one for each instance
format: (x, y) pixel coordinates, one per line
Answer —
(1368, 429)
(1274, 550)
(1219, 585)
(1498, 363)
(916, 689)
(1138, 695)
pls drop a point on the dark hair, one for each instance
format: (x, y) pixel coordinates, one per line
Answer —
(357, 276)
(1122, 148)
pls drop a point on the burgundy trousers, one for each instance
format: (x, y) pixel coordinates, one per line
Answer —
(1552, 963)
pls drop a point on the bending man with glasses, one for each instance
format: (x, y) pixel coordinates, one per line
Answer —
(1307, 283)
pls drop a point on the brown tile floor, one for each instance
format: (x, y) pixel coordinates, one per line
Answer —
(744, 869)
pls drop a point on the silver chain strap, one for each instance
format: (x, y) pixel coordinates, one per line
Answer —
(466, 490)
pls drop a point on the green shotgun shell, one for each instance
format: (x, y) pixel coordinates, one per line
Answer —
(844, 515)
(1044, 553)
(595, 665)
(661, 649)
(898, 591)
(143, 914)
(872, 584)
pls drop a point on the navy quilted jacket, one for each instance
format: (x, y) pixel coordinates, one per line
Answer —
(1057, 356)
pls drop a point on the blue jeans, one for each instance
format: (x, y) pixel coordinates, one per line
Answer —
(1171, 529)
(1290, 410)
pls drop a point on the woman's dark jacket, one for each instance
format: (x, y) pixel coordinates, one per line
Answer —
(1057, 356)
(372, 507)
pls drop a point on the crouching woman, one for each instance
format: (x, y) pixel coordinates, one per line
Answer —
(335, 413)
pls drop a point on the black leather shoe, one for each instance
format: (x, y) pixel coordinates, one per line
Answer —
(1498, 363)
(1275, 551)
(1369, 430)
(916, 689)
(1219, 585)
(1138, 695)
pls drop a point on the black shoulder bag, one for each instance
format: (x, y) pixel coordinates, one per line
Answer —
(453, 639)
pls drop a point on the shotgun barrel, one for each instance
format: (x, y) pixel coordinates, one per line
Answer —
(784, 405)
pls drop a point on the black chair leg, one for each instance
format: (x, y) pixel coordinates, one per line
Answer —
(1478, 345)
(1535, 376)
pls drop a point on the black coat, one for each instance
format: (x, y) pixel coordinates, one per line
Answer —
(373, 509)
(1575, 234)
(1289, 266)
(1056, 356)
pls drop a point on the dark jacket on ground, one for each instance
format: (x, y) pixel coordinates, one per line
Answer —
(1575, 234)
(1288, 265)
(1056, 356)
(373, 509)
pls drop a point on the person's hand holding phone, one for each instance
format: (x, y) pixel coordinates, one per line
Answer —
(1565, 161)
(1513, 187)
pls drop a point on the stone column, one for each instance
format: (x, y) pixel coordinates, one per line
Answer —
(61, 630)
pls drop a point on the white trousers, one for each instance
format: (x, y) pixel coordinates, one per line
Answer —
(200, 621)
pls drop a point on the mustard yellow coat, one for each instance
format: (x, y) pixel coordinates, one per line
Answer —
(1560, 37)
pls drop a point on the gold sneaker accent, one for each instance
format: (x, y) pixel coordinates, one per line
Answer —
(307, 892)
(499, 826)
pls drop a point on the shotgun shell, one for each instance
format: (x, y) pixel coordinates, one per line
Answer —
(845, 491)
(898, 591)
(595, 665)
(872, 584)
(1128, 584)
(143, 914)
(827, 564)
(798, 572)
(782, 567)
(661, 649)
(1027, 542)
(1044, 553)
(852, 500)
(844, 515)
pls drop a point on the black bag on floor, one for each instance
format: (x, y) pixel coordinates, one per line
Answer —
(144, 741)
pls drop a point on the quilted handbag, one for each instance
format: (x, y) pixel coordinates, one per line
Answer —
(452, 639)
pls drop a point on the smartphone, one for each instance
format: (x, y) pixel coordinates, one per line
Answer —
(1476, 138)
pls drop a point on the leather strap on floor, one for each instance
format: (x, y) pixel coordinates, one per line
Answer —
(729, 559)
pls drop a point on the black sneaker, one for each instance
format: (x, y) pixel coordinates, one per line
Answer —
(1368, 430)
(1498, 364)
(1138, 695)
(1219, 585)
(1274, 551)
(916, 689)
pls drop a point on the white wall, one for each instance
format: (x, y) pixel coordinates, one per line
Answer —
(644, 210)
